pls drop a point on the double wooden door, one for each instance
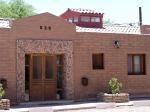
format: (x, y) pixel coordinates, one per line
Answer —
(43, 78)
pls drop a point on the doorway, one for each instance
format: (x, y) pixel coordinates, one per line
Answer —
(43, 77)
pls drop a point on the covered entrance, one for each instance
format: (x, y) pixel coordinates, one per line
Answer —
(43, 77)
(36, 51)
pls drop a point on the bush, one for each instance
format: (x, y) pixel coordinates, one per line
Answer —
(2, 91)
(114, 86)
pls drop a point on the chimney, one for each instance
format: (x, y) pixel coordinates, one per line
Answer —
(140, 16)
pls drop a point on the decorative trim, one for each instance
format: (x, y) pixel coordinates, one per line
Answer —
(45, 46)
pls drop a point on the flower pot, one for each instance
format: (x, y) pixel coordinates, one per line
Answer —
(118, 98)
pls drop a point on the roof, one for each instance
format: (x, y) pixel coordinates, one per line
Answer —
(84, 11)
(111, 29)
(5, 23)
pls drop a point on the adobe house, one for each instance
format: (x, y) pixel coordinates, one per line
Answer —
(44, 57)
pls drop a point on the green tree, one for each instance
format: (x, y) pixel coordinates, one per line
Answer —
(4, 10)
(15, 9)
(108, 21)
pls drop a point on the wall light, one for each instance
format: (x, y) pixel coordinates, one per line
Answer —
(117, 43)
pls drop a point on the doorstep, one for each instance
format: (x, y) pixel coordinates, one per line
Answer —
(45, 103)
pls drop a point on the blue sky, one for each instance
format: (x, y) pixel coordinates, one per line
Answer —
(120, 11)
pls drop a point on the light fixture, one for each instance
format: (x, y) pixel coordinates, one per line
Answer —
(117, 43)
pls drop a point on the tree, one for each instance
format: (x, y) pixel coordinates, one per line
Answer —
(15, 9)
(4, 10)
(108, 21)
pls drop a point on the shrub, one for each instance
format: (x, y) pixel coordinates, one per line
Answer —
(2, 91)
(114, 86)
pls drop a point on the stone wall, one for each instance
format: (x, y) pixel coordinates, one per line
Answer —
(45, 46)
(118, 98)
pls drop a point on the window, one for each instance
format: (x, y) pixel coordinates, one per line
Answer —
(70, 20)
(75, 19)
(97, 61)
(136, 64)
(49, 67)
(37, 67)
(85, 19)
(95, 19)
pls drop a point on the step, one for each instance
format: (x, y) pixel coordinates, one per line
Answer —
(46, 103)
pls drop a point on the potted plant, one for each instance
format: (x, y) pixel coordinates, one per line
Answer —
(4, 103)
(114, 94)
(2, 91)
(114, 86)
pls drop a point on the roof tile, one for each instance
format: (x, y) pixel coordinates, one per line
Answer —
(111, 29)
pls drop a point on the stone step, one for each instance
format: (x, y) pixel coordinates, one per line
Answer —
(45, 103)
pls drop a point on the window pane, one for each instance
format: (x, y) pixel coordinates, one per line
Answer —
(130, 64)
(75, 19)
(95, 19)
(70, 20)
(27, 74)
(142, 64)
(97, 60)
(137, 64)
(85, 19)
(49, 67)
(59, 60)
(27, 59)
(37, 67)
(59, 76)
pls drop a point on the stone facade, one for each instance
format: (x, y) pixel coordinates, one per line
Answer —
(4, 104)
(118, 98)
(45, 46)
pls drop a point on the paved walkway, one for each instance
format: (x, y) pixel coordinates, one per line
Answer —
(132, 106)
(117, 109)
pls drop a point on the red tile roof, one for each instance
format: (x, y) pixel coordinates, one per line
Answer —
(84, 11)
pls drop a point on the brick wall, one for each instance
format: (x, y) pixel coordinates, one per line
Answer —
(145, 29)
(8, 62)
(115, 63)
(28, 28)
(84, 44)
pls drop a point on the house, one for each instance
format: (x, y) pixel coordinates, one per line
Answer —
(43, 57)
(84, 17)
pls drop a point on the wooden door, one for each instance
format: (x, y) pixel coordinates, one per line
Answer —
(43, 77)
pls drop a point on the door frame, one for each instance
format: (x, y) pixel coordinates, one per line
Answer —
(44, 46)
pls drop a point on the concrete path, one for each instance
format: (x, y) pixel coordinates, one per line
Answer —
(85, 106)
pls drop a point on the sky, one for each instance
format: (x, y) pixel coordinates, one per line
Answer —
(118, 11)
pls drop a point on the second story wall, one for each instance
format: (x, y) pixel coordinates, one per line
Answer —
(84, 18)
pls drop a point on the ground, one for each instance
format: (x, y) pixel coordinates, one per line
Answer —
(132, 106)
(117, 109)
